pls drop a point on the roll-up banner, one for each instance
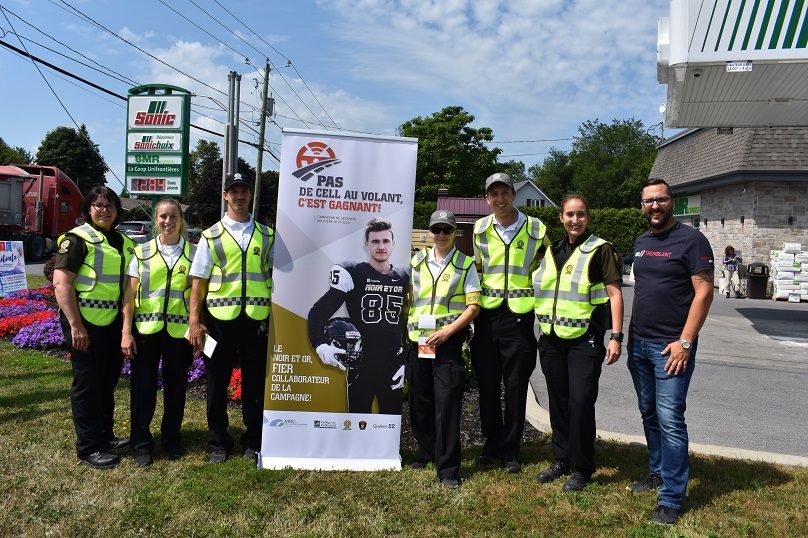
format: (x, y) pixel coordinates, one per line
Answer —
(340, 279)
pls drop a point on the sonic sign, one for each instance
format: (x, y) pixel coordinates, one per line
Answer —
(157, 127)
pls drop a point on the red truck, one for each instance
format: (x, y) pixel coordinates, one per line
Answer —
(37, 205)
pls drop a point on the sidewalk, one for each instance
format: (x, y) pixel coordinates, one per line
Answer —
(747, 398)
(539, 418)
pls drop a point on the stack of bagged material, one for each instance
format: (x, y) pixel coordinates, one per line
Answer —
(789, 273)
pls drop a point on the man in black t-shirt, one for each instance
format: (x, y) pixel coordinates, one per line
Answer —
(673, 290)
(373, 294)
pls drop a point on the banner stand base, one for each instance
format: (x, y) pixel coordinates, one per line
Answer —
(329, 464)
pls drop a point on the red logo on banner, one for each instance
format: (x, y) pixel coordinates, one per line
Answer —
(314, 152)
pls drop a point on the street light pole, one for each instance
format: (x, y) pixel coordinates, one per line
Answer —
(230, 153)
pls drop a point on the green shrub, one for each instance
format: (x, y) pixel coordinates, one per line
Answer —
(618, 226)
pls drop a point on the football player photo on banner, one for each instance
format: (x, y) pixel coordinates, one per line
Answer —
(335, 366)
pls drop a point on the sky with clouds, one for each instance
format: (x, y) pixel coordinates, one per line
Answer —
(529, 69)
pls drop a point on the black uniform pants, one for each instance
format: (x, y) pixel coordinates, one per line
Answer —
(436, 397)
(243, 336)
(374, 380)
(95, 374)
(177, 355)
(572, 370)
(503, 351)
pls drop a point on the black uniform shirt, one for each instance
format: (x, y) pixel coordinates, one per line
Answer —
(72, 249)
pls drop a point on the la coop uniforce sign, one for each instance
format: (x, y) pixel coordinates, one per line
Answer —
(157, 127)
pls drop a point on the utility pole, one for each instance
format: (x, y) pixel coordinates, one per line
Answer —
(230, 153)
(260, 160)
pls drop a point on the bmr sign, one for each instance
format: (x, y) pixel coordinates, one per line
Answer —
(157, 127)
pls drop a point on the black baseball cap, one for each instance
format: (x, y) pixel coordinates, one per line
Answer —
(235, 179)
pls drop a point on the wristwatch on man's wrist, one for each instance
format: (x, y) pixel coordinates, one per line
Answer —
(617, 337)
(686, 344)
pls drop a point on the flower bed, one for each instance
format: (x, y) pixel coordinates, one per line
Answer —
(29, 319)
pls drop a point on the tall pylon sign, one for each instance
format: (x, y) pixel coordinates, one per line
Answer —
(157, 140)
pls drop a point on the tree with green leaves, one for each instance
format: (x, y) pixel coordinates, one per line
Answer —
(515, 169)
(10, 155)
(610, 161)
(554, 175)
(607, 164)
(267, 212)
(451, 154)
(205, 184)
(75, 154)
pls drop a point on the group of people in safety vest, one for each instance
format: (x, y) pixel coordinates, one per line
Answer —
(515, 276)
(160, 303)
(106, 285)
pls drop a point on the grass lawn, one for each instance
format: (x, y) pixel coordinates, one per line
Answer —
(43, 491)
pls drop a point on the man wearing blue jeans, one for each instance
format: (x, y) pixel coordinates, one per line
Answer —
(673, 290)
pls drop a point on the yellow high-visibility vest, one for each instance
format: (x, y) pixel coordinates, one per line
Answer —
(505, 270)
(565, 298)
(164, 293)
(241, 280)
(444, 297)
(99, 281)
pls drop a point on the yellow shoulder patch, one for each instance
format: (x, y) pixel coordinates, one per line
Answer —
(64, 246)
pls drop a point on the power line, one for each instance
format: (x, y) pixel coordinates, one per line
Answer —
(36, 60)
(87, 18)
(526, 154)
(217, 21)
(69, 47)
(47, 82)
(288, 60)
(247, 60)
(526, 141)
(104, 69)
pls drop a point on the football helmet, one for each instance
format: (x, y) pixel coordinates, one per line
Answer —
(342, 334)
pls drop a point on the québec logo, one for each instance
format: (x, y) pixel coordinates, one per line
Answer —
(155, 115)
(312, 158)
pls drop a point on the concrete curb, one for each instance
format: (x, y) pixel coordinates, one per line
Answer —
(539, 418)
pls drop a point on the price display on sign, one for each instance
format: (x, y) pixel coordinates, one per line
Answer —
(168, 186)
(148, 184)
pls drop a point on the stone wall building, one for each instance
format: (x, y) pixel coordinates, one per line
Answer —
(746, 187)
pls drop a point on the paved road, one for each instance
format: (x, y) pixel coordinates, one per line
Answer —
(750, 385)
(34, 268)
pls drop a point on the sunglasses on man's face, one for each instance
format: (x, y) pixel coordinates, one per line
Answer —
(446, 230)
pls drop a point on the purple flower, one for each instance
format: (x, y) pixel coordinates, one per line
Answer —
(42, 335)
(30, 307)
(197, 370)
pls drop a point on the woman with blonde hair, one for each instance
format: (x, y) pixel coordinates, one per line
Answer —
(156, 300)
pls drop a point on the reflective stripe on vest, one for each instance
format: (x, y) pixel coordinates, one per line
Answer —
(241, 281)
(99, 281)
(506, 269)
(444, 297)
(164, 294)
(561, 306)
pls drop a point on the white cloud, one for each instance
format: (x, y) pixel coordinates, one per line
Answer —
(536, 63)
(129, 35)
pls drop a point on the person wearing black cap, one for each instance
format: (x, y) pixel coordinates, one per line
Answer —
(231, 287)
(445, 298)
(508, 247)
